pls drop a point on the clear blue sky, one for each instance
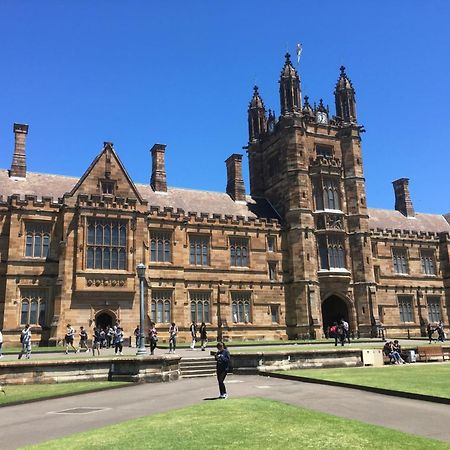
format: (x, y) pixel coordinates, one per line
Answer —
(181, 73)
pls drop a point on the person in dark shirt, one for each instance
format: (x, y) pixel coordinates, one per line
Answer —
(203, 336)
(223, 366)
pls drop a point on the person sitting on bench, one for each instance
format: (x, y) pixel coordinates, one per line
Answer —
(394, 356)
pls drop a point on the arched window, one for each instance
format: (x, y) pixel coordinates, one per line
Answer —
(240, 307)
(199, 250)
(239, 252)
(161, 306)
(160, 246)
(200, 306)
(331, 252)
(37, 239)
(33, 306)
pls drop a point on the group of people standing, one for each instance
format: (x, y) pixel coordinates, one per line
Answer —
(340, 332)
(202, 335)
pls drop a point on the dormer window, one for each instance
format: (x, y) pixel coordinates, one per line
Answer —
(108, 187)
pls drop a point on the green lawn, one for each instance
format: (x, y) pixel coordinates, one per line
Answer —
(19, 393)
(243, 424)
(426, 378)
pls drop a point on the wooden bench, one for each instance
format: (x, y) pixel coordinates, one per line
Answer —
(434, 351)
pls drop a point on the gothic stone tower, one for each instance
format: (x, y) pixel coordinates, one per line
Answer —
(309, 166)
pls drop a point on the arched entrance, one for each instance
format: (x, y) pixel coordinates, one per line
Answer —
(334, 309)
(104, 319)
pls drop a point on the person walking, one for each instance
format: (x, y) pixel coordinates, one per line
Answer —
(25, 340)
(173, 332)
(153, 336)
(222, 368)
(203, 336)
(1, 344)
(193, 330)
(430, 332)
(346, 330)
(118, 341)
(440, 331)
(68, 338)
(110, 336)
(96, 341)
(137, 332)
(83, 340)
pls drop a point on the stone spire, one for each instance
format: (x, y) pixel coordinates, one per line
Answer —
(257, 121)
(19, 162)
(290, 93)
(344, 95)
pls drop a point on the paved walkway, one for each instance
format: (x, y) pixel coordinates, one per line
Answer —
(197, 353)
(37, 422)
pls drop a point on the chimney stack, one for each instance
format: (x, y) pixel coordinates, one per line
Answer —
(158, 179)
(403, 201)
(19, 162)
(235, 182)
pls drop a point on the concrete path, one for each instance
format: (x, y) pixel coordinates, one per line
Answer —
(37, 422)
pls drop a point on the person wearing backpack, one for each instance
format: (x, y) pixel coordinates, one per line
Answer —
(223, 367)
(25, 340)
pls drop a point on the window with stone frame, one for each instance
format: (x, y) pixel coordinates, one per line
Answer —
(275, 313)
(241, 307)
(434, 309)
(400, 260)
(198, 250)
(428, 261)
(160, 246)
(331, 252)
(33, 304)
(161, 306)
(324, 150)
(271, 243)
(106, 244)
(239, 252)
(272, 266)
(108, 187)
(405, 307)
(327, 194)
(200, 306)
(37, 239)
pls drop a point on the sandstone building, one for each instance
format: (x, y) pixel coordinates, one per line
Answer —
(302, 250)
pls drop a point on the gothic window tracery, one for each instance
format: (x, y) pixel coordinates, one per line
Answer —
(240, 306)
(331, 252)
(200, 306)
(37, 240)
(33, 306)
(161, 306)
(106, 244)
(160, 246)
(239, 252)
(199, 250)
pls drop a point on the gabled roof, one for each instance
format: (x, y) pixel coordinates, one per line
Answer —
(394, 220)
(108, 148)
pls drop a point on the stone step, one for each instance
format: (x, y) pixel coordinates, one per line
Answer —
(205, 359)
(197, 373)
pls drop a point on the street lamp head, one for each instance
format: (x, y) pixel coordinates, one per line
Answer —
(140, 270)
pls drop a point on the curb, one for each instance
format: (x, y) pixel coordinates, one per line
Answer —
(69, 394)
(392, 393)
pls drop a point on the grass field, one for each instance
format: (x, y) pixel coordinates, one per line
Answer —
(243, 424)
(20, 393)
(427, 378)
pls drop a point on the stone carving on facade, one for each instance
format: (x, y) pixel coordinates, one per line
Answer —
(106, 282)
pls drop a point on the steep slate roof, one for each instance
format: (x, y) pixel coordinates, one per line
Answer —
(189, 200)
(395, 220)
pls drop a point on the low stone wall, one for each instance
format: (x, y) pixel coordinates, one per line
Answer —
(269, 361)
(136, 369)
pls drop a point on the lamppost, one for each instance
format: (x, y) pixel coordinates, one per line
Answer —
(140, 270)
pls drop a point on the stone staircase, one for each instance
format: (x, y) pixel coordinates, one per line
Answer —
(198, 367)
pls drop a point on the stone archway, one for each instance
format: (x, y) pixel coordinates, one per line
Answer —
(104, 319)
(334, 309)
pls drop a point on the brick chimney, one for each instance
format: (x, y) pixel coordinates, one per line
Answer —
(235, 182)
(403, 201)
(158, 179)
(19, 162)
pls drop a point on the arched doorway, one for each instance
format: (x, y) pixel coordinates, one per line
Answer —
(104, 319)
(334, 309)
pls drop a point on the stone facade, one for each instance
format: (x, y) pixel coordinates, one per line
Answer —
(301, 251)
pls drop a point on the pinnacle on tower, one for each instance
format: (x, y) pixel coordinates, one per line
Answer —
(290, 93)
(345, 98)
(257, 121)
